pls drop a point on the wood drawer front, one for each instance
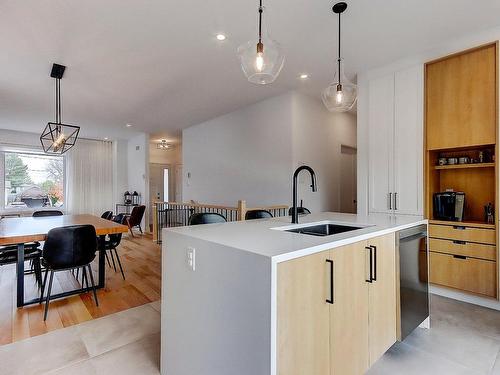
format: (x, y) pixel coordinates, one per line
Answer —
(469, 249)
(471, 275)
(463, 233)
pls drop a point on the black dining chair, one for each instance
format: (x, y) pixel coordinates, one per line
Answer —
(206, 218)
(135, 218)
(113, 242)
(44, 213)
(300, 211)
(68, 248)
(108, 215)
(8, 255)
(258, 214)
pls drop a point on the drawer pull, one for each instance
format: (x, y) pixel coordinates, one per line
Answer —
(459, 227)
(459, 257)
(330, 300)
(459, 242)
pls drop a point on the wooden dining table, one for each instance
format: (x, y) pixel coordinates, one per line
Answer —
(21, 230)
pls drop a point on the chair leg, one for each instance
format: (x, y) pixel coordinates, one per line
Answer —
(140, 229)
(119, 263)
(93, 285)
(43, 285)
(113, 259)
(107, 258)
(48, 296)
(130, 228)
(38, 271)
(84, 277)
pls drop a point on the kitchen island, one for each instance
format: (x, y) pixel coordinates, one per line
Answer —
(253, 298)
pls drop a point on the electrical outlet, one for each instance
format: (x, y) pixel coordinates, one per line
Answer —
(191, 258)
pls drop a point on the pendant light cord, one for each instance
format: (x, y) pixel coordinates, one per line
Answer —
(339, 59)
(260, 21)
(58, 101)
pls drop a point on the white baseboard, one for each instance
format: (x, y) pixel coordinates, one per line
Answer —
(465, 297)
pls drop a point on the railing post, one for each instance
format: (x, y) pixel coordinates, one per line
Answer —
(155, 222)
(242, 209)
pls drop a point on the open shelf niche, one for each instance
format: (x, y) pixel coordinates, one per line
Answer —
(476, 180)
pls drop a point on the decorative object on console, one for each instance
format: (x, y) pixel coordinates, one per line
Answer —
(341, 94)
(127, 198)
(262, 59)
(489, 213)
(136, 198)
(57, 138)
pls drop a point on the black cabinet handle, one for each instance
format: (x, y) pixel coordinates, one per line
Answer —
(459, 242)
(330, 301)
(459, 257)
(370, 280)
(459, 227)
(374, 278)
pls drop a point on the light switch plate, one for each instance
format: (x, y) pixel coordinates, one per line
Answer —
(191, 258)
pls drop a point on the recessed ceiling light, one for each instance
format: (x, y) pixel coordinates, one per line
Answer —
(220, 37)
(304, 76)
(106, 138)
(128, 125)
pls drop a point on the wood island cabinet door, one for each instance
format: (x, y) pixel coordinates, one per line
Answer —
(349, 311)
(303, 341)
(382, 297)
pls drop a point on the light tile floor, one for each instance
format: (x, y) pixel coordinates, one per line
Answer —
(124, 343)
(464, 340)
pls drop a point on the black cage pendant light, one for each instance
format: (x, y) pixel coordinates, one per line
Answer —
(57, 138)
(341, 94)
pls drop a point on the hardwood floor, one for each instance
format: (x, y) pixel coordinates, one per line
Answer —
(141, 260)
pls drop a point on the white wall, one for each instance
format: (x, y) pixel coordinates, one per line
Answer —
(251, 153)
(16, 139)
(246, 154)
(317, 139)
(138, 169)
(120, 170)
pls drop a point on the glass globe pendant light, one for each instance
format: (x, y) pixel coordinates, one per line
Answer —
(262, 59)
(341, 94)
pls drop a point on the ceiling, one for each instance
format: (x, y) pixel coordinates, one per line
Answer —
(156, 64)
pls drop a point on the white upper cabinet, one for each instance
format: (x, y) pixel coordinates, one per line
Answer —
(395, 142)
(408, 141)
(380, 140)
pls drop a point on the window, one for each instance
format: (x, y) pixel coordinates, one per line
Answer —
(33, 180)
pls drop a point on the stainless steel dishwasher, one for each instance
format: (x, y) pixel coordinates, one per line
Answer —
(414, 278)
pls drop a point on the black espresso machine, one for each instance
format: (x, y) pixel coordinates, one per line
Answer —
(449, 206)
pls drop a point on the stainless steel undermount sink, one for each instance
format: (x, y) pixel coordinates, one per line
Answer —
(323, 229)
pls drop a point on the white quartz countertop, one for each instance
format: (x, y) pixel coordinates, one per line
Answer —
(262, 236)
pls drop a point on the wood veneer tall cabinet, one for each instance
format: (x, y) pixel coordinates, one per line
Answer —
(339, 331)
(461, 119)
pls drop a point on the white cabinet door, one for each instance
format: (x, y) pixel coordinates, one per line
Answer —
(408, 141)
(380, 144)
